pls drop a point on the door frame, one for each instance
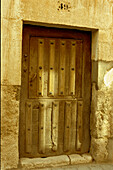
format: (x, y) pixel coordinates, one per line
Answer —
(69, 37)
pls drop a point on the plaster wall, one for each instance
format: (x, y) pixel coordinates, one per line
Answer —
(96, 16)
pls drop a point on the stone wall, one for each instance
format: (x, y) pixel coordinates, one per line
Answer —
(87, 15)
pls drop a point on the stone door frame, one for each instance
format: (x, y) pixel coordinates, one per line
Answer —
(25, 162)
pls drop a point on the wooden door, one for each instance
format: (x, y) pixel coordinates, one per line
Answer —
(55, 93)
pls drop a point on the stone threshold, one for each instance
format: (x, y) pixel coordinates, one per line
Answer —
(55, 161)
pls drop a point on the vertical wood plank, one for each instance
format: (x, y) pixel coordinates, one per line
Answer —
(79, 68)
(51, 67)
(79, 124)
(48, 127)
(67, 126)
(67, 66)
(40, 67)
(42, 123)
(72, 69)
(35, 130)
(73, 125)
(55, 118)
(56, 66)
(46, 67)
(61, 126)
(33, 67)
(28, 127)
(62, 68)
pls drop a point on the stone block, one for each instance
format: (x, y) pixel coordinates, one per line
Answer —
(78, 159)
(110, 150)
(9, 126)
(10, 9)
(11, 51)
(81, 13)
(112, 47)
(99, 150)
(105, 36)
(11, 62)
(108, 78)
(94, 45)
(105, 51)
(44, 162)
(111, 118)
(11, 29)
(103, 68)
(101, 108)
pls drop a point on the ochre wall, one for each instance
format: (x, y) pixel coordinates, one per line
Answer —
(95, 15)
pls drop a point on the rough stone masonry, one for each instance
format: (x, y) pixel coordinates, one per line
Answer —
(92, 15)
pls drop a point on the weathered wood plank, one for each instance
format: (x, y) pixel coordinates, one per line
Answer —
(62, 68)
(51, 67)
(40, 67)
(79, 68)
(61, 126)
(67, 126)
(35, 130)
(33, 67)
(48, 127)
(72, 69)
(42, 123)
(79, 124)
(28, 127)
(73, 125)
(55, 118)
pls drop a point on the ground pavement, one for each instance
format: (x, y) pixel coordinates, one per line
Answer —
(83, 167)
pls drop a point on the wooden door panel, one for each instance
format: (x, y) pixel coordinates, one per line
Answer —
(45, 132)
(55, 94)
(69, 63)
